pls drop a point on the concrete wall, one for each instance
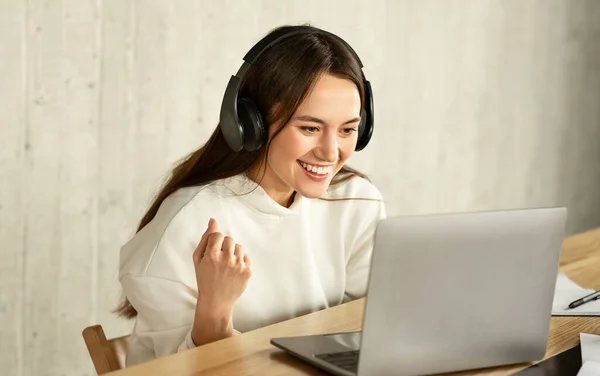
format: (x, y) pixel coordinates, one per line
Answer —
(479, 105)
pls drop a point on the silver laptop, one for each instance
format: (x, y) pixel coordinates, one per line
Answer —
(448, 293)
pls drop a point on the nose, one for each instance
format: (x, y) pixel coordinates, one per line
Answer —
(327, 149)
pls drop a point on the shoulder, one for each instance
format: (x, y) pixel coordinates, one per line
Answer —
(193, 201)
(172, 234)
(356, 187)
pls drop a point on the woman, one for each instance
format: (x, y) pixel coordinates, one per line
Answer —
(264, 222)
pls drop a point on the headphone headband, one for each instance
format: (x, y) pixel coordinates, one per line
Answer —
(276, 36)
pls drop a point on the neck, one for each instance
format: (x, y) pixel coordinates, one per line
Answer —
(280, 192)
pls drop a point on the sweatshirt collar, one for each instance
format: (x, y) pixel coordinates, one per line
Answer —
(256, 197)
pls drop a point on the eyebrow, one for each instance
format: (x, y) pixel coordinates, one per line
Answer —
(313, 119)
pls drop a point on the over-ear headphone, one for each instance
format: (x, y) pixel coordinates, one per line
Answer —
(241, 123)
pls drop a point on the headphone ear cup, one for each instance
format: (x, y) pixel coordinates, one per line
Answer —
(361, 130)
(365, 128)
(364, 135)
(252, 121)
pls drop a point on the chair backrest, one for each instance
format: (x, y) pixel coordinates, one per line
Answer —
(107, 355)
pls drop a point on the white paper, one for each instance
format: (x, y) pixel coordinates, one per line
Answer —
(590, 354)
(564, 283)
(568, 291)
(589, 369)
(590, 347)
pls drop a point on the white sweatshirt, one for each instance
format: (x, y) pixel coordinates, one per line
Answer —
(313, 255)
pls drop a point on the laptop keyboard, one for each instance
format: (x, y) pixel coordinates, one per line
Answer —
(347, 360)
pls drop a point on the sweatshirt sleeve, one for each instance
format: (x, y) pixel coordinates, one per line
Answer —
(359, 262)
(158, 278)
(165, 316)
(165, 313)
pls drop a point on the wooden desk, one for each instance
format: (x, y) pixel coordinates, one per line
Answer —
(252, 354)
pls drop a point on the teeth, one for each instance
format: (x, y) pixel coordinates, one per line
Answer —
(315, 169)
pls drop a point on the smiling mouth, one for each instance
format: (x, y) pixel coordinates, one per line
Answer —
(321, 171)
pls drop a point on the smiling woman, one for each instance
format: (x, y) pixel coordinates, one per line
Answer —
(264, 222)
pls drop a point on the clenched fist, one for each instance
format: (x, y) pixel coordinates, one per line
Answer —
(222, 268)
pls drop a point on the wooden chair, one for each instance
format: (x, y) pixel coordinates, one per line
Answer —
(107, 355)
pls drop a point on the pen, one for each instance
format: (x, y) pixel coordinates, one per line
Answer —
(585, 299)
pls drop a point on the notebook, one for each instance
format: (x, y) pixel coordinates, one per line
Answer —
(566, 363)
(568, 291)
(581, 360)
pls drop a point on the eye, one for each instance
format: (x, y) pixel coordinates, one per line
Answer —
(309, 129)
(348, 131)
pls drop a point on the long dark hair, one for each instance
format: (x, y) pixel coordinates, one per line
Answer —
(278, 82)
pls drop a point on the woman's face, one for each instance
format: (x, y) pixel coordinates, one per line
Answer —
(316, 143)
